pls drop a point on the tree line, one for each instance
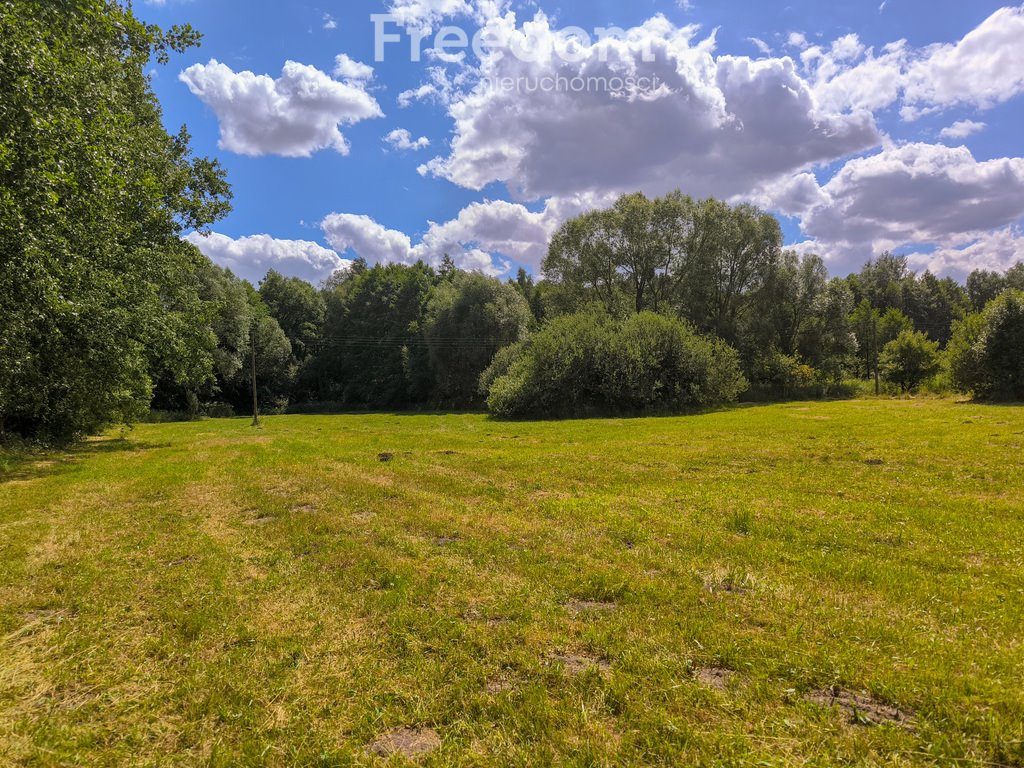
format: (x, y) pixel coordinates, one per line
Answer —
(700, 306)
(651, 305)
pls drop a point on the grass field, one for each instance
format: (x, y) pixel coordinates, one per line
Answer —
(784, 585)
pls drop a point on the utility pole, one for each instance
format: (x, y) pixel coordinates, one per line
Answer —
(255, 400)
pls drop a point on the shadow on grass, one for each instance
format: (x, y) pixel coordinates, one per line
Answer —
(992, 403)
(20, 463)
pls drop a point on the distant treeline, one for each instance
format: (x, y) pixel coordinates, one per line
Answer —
(598, 336)
(657, 305)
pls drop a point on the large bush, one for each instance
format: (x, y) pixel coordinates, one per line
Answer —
(589, 363)
(986, 353)
(775, 375)
(909, 359)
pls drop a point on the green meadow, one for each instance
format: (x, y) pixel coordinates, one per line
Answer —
(799, 584)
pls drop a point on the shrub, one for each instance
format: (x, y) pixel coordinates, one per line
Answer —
(589, 363)
(778, 375)
(909, 359)
(560, 370)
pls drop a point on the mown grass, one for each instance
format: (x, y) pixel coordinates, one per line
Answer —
(563, 593)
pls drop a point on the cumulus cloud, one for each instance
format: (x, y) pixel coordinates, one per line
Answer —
(426, 12)
(996, 251)
(346, 68)
(984, 69)
(719, 126)
(850, 77)
(295, 115)
(962, 129)
(402, 140)
(485, 237)
(797, 40)
(915, 194)
(252, 257)
(919, 193)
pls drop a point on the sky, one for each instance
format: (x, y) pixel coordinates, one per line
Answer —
(864, 126)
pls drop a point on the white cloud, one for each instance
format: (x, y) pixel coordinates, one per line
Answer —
(797, 40)
(347, 68)
(329, 22)
(426, 14)
(365, 237)
(295, 115)
(791, 196)
(443, 87)
(984, 69)
(719, 126)
(962, 129)
(252, 257)
(915, 194)
(849, 76)
(996, 251)
(402, 140)
(761, 45)
(484, 237)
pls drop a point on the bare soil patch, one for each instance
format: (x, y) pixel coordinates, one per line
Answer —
(730, 586)
(410, 743)
(577, 607)
(861, 709)
(499, 685)
(716, 678)
(577, 664)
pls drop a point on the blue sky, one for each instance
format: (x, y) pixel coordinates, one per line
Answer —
(863, 127)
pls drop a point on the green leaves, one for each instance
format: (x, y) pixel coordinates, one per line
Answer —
(588, 364)
(910, 359)
(97, 294)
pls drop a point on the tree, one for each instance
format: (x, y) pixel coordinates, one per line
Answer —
(785, 302)
(965, 355)
(468, 319)
(932, 305)
(581, 258)
(373, 350)
(702, 259)
(94, 195)
(874, 330)
(882, 281)
(829, 343)
(983, 286)
(298, 308)
(910, 359)
(1003, 345)
(723, 259)
(531, 292)
(986, 355)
